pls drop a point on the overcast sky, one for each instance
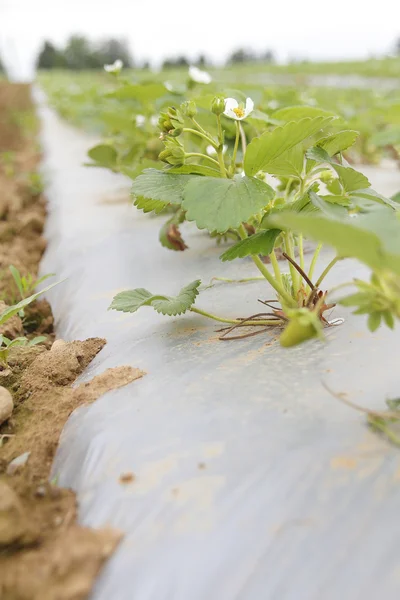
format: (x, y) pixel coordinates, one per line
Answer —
(315, 29)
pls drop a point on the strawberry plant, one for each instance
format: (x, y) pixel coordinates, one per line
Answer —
(318, 196)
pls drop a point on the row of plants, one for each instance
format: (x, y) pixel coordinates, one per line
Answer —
(197, 154)
(119, 109)
(210, 163)
(387, 67)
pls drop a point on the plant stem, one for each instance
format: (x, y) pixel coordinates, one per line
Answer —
(301, 250)
(235, 148)
(314, 261)
(263, 269)
(220, 150)
(290, 251)
(243, 138)
(326, 270)
(204, 135)
(203, 156)
(232, 321)
(275, 266)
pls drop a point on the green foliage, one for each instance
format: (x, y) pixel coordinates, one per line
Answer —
(103, 155)
(373, 238)
(154, 190)
(222, 204)
(297, 113)
(10, 311)
(132, 300)
(379, 299)
(26, 283)
(260, 243)
(338, 142)
(263, 151)
(186, 153)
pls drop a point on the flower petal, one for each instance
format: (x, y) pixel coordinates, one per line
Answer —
(198, 75)
(249, 106)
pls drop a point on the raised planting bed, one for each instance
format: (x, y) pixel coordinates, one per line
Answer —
(231, 469)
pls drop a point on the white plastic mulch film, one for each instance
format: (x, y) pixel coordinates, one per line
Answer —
(251, 482)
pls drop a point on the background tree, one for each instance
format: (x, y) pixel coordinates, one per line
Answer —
(50, 57)
(78, 54)
(202, 61)
(108, 51)
(175, 62)
(241, 55)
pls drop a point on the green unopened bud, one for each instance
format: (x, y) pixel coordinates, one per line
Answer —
(175, 115)
(165, 123)
(218, 105)
(174, 153)
(189, 108)
(326, 176)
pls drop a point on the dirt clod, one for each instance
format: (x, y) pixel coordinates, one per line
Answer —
(6, 404)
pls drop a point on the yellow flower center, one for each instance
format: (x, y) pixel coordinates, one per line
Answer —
(239, 112)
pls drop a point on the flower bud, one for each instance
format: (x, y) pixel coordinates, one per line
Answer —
(218, 105)
(174, 153)
(189, 108)
(176, 132)
(326, 176)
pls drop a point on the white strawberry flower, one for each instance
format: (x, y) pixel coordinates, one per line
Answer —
(115, 67)
(237, 111)
(199, 76)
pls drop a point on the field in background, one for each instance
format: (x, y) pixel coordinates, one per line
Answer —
(85, 98)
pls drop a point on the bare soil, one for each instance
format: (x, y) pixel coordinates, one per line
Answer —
(44, 553)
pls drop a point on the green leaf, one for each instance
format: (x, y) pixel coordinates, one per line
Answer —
(104, 155)
(329, 208)
(196, 170)
(154, 190)
(37, 340)
(296, 113)
(372, 238)
(319, 155)
(271, 145)
(222, 204)
(388, 318)
(132, 300)
(396, 198)
(289, 164)
(338, 142)
(13, 310)
(374, 320)
(387, 137)
(374, 200)
(351, 179)
(17, 279)
(259, 243)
